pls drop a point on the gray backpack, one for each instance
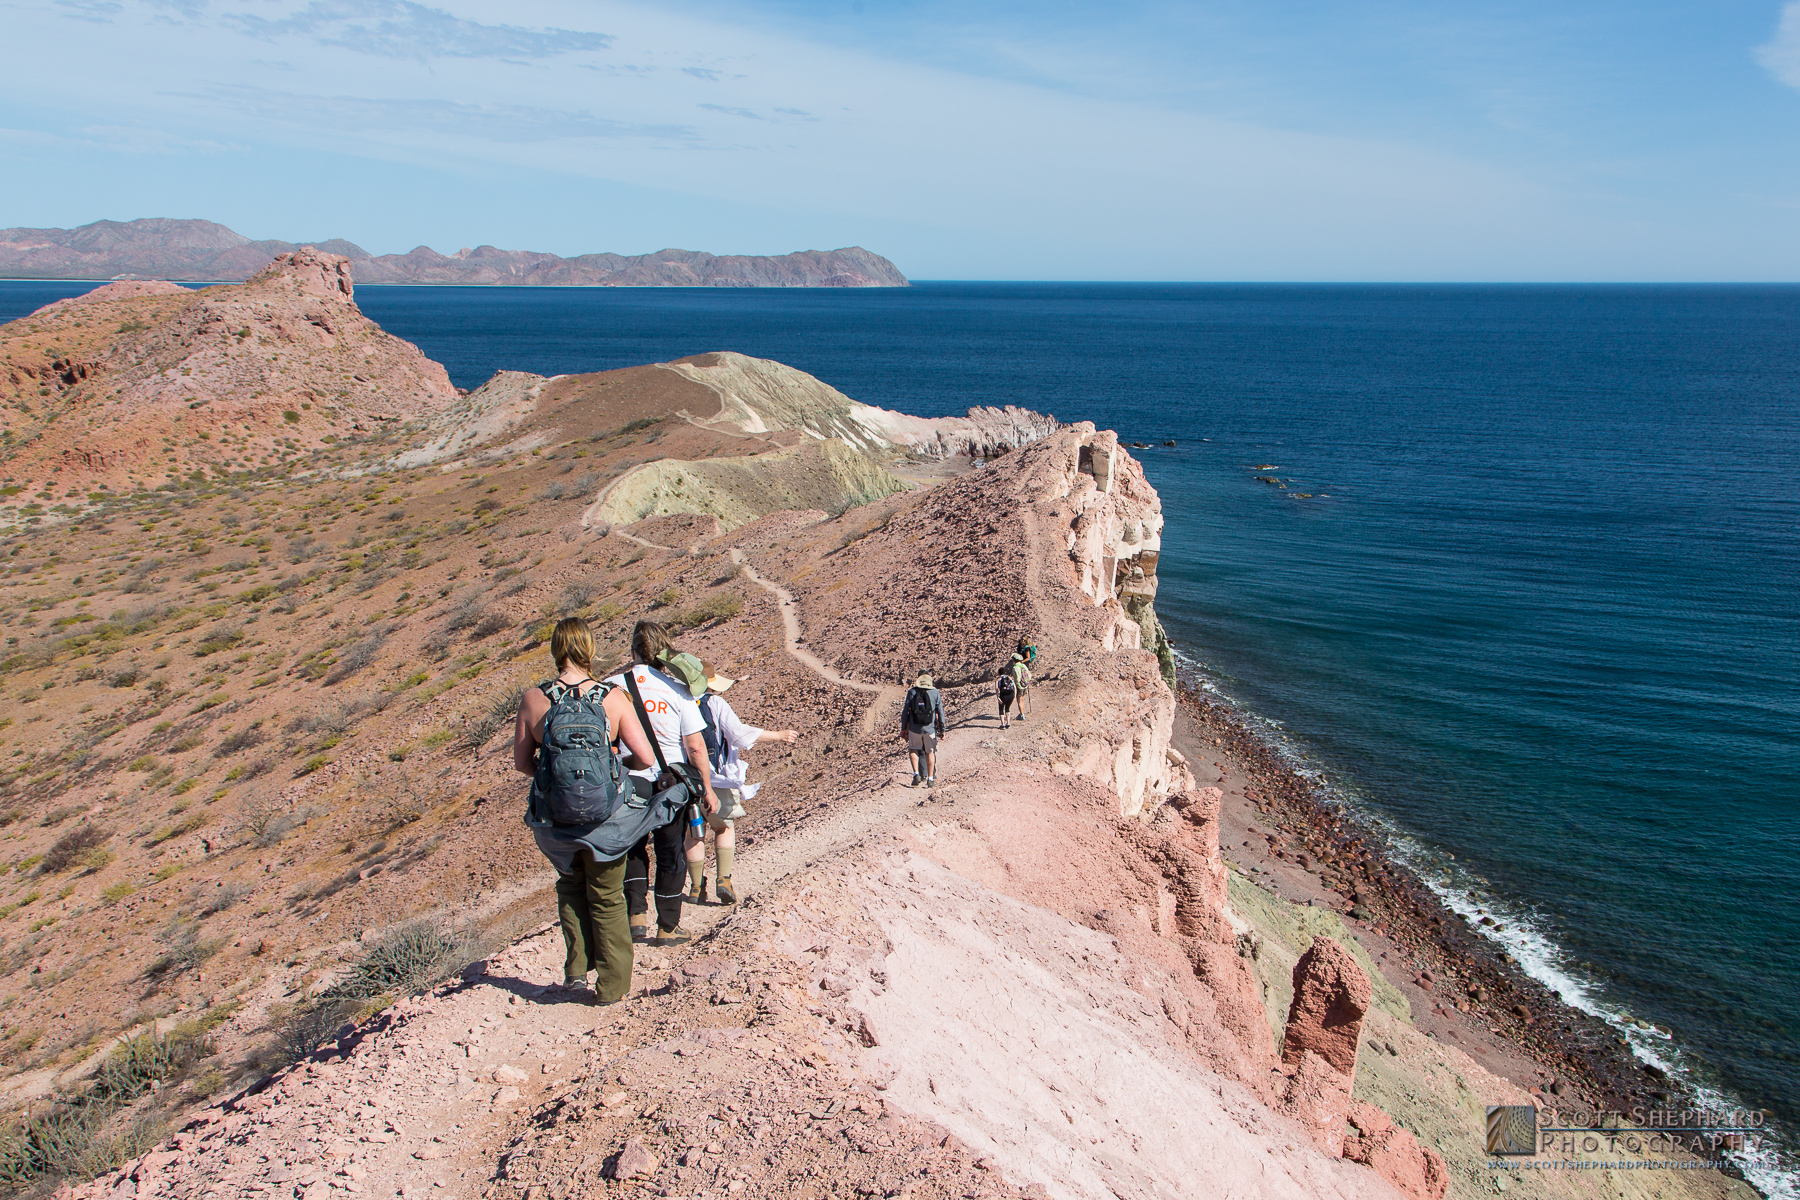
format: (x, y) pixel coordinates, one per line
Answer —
(579, 778)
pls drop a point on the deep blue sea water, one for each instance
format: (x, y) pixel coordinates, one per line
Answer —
(1540, 610)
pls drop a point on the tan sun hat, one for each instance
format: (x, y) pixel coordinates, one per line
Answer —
(715, 682)
(923, 681)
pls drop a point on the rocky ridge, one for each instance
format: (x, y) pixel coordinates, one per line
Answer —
(1040, 977)
(140, 385)
(165, 248)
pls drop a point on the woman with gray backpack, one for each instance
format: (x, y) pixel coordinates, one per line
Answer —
(583, 810)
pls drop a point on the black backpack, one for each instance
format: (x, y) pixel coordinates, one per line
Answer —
(579, 779)
(1007, 683)
(918, 708)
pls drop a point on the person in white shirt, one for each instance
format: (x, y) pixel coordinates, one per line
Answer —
(727, 738)
(676, 724)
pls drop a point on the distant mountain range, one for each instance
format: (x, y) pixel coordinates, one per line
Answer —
(169, 248)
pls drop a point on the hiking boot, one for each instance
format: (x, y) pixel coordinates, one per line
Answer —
(697, 893)
(671, 937)
(931, 782)
(917, 779)
(724, 892)
(640, 933)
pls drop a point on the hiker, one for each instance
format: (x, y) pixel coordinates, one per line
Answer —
(1006, 690)
(921, 725)
(575, 826)
(676, 727)
(1017, 673)
(1026, 650)
(726, 737)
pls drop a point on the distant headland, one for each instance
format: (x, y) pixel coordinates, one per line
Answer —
(176, 249)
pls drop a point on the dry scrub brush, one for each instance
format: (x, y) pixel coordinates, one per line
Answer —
(408, 958)
(720, 606)
(79, 1135)
(264, 820)
(500, 710)
(79, 844)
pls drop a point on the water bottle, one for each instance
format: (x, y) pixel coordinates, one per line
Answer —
(695, 826)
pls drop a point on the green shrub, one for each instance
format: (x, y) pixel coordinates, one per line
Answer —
(186, 949)
(217, 640)
(243, 739)
(720, 606)
(75, 1136)
(186, 825)
(407, 958)
(309, 1028)
(134, 1066)
(501, 710)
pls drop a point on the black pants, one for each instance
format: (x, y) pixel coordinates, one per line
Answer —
(671, 873)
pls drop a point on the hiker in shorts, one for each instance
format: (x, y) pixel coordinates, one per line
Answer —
(1006, 690)
(921, 725)
(676, 724)
(727, 736)
(590, 894)
(1019, 674)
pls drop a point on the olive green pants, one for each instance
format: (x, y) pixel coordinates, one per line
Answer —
(596, 929)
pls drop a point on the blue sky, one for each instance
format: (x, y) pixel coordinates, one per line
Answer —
(1276, 140)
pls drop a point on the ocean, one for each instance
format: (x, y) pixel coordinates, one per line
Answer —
(1514, 569)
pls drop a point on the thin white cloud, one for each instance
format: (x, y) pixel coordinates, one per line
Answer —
(1780, 55)
(507, 123)
(116, 139)
(91, 10)
(1022, 178)
(403, 29)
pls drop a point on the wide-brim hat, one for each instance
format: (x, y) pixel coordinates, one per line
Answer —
(715, 682)
(923, 681)
(689, 670)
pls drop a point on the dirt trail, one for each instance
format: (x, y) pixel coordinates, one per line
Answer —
(790, 620)
(774, 860)
(887, 697)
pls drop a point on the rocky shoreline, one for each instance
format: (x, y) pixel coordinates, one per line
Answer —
(1588, 1063)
